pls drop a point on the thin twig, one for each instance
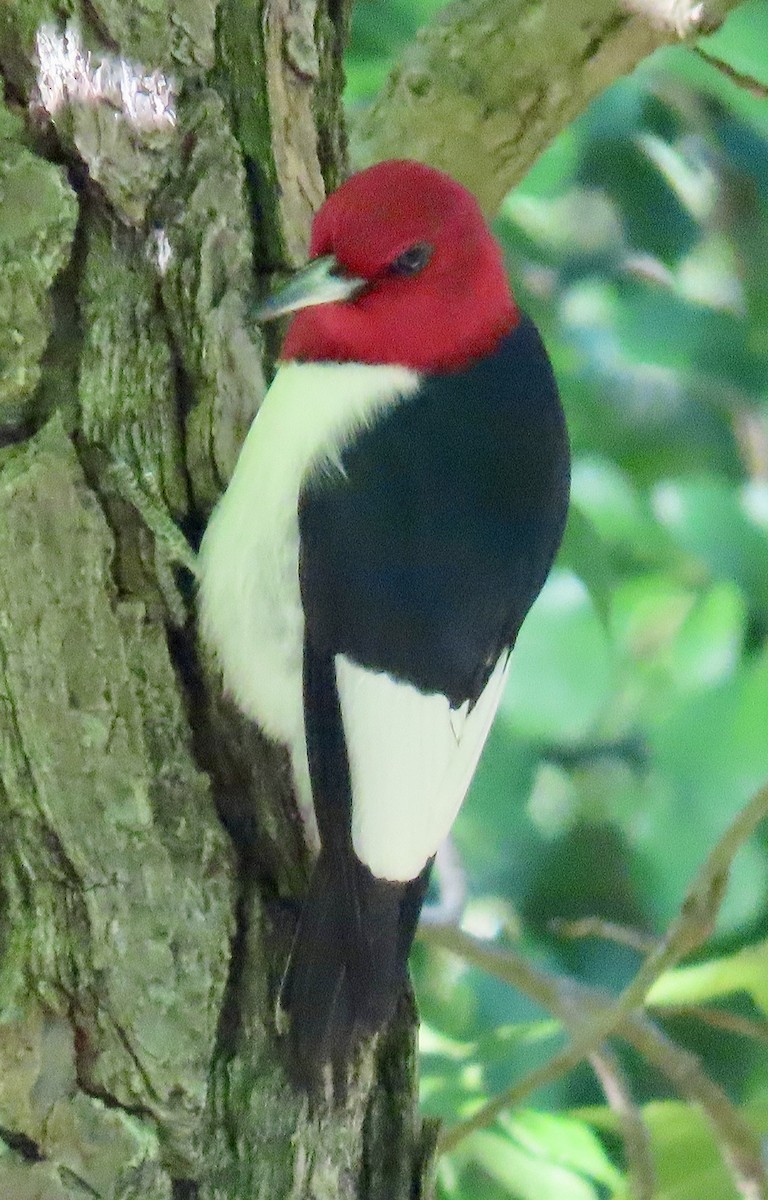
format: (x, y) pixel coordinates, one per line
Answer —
(514, 969)
(699, 910)
(636, 1134)
(718, 1018)
(748, 82)
(592, 1022)
(575, 1004)
(545, 989)
(739, 1143)
(591, 1015)
(609, 931)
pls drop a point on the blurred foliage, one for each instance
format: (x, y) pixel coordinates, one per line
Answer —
(635, 723)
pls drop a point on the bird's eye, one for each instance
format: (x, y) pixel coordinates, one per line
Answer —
(412, 260)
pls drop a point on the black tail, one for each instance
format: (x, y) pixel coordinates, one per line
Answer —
(348, 964)
(347, 969)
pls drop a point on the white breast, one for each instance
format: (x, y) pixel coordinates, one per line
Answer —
(250, 606)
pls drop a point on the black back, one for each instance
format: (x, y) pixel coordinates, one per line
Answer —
(424, 555)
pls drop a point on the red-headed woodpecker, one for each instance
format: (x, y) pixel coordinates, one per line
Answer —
(393, 515)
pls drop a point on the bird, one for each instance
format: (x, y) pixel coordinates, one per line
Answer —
(394, 512)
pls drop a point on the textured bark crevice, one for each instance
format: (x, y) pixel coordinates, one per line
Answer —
(117, 880)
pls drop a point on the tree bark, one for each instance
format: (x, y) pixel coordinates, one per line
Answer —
(152, 156)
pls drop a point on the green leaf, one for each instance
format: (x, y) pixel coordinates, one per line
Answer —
(527, 1176)
(378, 34)
(714, 746)
(744, 971)
(561, 673)
(689, 1164)
(621, 516)
(647, 615)
(675, 640)
(448, 1179)
(561, 1139)
(661, 327)
(581, 223)
(741, 41)
(708, 645)
(711, 750)
(584, 553)
(709, 520)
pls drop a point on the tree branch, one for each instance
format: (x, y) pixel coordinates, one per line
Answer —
(748, 82)
(487, 86)
(716, 1018)
(609, 931)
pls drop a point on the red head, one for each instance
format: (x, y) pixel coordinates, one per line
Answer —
(426, 283)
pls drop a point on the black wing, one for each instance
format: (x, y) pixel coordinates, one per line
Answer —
(423, 557)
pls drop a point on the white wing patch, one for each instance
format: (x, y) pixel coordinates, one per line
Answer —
(411, 760)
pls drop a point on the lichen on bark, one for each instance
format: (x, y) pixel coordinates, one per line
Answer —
(203, 259)
(37, 223)
(115, 873)
(148, 1021)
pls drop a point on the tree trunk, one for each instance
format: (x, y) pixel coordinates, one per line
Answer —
(149, 839)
